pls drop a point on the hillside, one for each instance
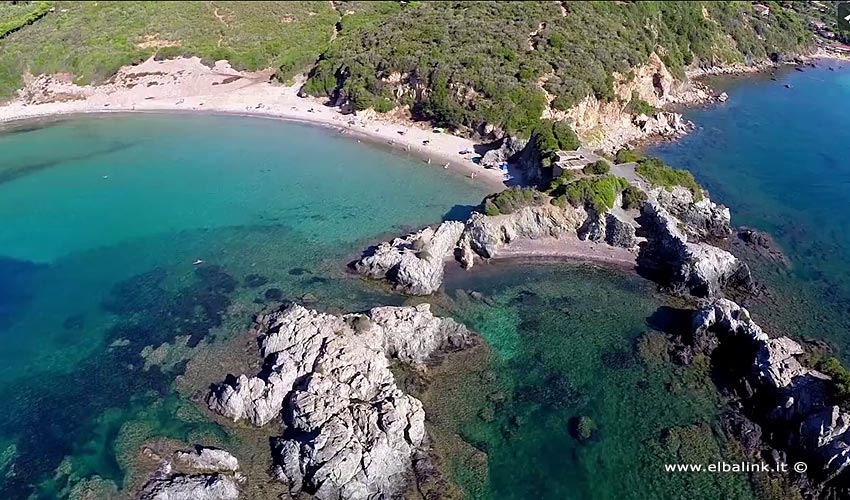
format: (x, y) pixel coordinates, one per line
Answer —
(485, 62)
(459, 64)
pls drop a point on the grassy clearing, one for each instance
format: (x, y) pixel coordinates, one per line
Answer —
(92, 40)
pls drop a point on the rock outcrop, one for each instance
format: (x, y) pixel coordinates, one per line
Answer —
(619, 233)
(509, 148)
(703, 270)
(349, 431)
(793, 402)
(179, 478)
(208, 460)
(701, 220)
(485, 235)
(195, 487)
(414, 263)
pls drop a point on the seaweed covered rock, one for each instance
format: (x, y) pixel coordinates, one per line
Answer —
(350, 431)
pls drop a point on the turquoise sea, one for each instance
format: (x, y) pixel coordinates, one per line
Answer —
(102, 219)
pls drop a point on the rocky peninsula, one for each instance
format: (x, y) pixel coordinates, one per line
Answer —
(669, 238)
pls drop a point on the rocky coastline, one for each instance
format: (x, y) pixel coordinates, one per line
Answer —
(348, 430)
(784, 412)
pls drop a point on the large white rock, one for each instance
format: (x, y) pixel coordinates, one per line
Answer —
(198, 487)
(350, 432)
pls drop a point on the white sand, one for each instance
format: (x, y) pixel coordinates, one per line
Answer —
(184, 84)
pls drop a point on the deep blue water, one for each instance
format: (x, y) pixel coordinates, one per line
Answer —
(780, 159)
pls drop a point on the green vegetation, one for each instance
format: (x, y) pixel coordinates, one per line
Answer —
(484, 62)
(599, 167)
(840, 377)
(14, 16)
(596, 192)
(92, 40)
(633, 197)
(550, 137)
(513, 199)
(478, 63)
(638, 106)
(566, 177)
(627, 156)
(659, 174)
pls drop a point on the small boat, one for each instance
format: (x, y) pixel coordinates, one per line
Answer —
(197, 262)
(799, 69)
(787, 85)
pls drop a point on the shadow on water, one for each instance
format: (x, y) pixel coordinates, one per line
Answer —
(15, 275)
(459, 212)
(24, 170)
(51, 418)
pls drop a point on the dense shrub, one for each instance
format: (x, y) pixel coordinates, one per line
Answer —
(550, 137)
(599, 167)
(567, 139)
(659, 174)
(638, 106)
(598, 193)
(482, 55)
(384, 105)
(627, 156)
(565, 178)
(633, 197)
(840, 377)
(511, 200)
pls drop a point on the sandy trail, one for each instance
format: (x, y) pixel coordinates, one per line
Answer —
(186, 85)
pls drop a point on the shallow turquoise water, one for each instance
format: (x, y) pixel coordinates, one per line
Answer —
(101, 220)
(778, 157)
(567, 342)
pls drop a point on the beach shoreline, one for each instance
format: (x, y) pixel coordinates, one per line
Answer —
(186, 86)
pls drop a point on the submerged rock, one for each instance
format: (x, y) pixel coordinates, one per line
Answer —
(350, 431)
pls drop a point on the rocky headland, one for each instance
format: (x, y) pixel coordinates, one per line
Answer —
(784, 410)
(669, 237)
(347, 429)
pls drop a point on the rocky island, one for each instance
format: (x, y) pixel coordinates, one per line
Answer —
(348, 431)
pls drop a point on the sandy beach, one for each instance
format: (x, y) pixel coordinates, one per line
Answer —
(186, 85)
